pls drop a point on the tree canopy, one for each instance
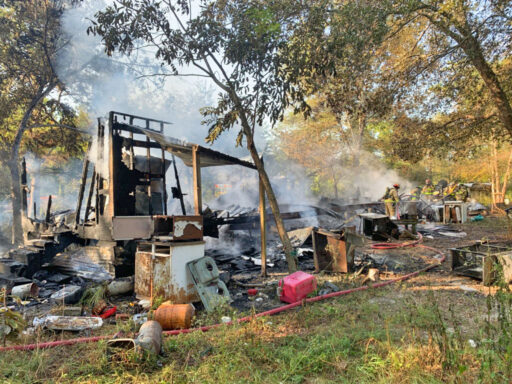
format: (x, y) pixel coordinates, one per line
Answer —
(34, 116)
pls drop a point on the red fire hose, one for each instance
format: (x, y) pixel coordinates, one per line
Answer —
(399, 245)
(51, 344)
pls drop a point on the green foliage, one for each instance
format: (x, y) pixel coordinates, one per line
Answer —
(31, 96)
(248, 48)
(9, 320)
(94, 295)
(374, 336)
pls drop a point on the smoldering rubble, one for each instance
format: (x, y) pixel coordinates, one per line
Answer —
(121, 250)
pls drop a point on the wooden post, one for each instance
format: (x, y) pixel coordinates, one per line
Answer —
(178, 186)
(164, 181)
(263, 230)
(91, 192)
(48, 209)
(148, 177)
(112, 173)
(196, 165)
(132, 153)
(100, 166)
(24, 187)
(31, 203)
(82, 189)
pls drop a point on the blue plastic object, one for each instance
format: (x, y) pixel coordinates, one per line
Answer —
(477, 218)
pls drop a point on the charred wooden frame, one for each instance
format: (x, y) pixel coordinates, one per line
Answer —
(113, 194)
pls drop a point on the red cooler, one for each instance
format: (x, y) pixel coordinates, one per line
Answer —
(296, 286)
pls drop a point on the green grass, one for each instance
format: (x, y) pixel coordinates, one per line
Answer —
(392, 335)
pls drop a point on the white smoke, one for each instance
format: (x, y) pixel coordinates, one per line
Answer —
(61, 181)
(114, 83)
(369, 180)
(126, 84)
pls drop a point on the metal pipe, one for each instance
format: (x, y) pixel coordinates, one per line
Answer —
(148, 177)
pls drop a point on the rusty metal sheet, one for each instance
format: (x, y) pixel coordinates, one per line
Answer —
(132, 227)
(152, 276)
(143, 274)
(92, 263)
(330, 252)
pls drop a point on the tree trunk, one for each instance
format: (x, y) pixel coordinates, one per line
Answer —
(361, 126)
(249, 135)
(287, 245)
(17, 229)
(497, 186)
(497, 189)
(506, 176)
(472, 48)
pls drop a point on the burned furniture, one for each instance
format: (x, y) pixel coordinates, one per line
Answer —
(408, 215)
(377, 226)
(455, 212)
(334, 252)
(483, 261)
(160, 270)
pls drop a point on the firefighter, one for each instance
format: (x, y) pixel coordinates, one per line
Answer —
(428, 190)
(461, 193)
(391, 200)
(416, 194)
(449, 192)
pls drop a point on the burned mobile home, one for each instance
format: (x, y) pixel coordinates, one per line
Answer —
(121, 226)
(130, 198)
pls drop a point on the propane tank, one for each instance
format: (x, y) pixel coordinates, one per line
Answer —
(174, 316)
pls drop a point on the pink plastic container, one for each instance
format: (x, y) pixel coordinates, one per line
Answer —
(296, 286)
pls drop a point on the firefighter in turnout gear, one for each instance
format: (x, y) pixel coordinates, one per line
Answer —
(416, 194)
(449, 192)
(428, 190)
(391, 200)
(461, 193)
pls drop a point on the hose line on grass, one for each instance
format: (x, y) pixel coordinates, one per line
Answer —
(416, 243)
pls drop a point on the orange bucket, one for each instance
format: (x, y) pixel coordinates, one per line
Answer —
(174, 316)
